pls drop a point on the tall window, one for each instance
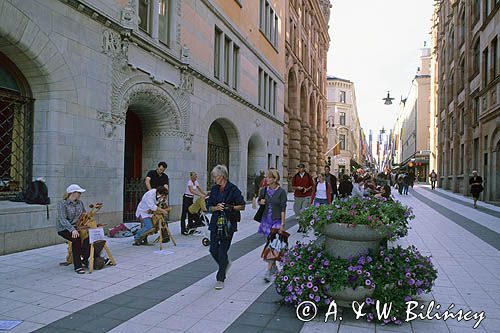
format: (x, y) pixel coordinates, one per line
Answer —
(486, 66)
(461, 75)
(451, 46)
(494, 58)
(267, 91)
(342, 97)
(462, 120)
(236, 64)
(277, 162)
(475, 161)
(163, 21)
(144, 15)
(268, 22)
(342, 141)
(462, 28)
(16, 121)
(475, 109)
(342, 118)
(487, 7)
(227, 46)
(462, 159)
(476, 61)
(217, 55)
(476, 11)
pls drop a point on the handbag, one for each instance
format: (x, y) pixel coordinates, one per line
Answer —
(260, 212)
(276, 245)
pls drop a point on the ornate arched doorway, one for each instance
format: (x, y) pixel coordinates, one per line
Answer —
(132, 166)
(16, 129)
(217, 150)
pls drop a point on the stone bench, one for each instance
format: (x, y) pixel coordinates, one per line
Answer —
(24, 227)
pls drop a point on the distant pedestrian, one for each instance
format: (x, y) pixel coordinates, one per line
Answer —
(225, 203)
(274, 198)
(332, 180)
(345, 187)
(258, 181)
(407, 181)
(302, 184)
(401, 177)
(358, 190)
(476, 186)
(322, 192)
(69, 212)
(433, 178)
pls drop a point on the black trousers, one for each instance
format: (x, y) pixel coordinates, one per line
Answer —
(78, 248)
(218, 250)
(186, 202)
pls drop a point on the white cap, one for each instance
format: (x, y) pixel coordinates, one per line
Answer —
(74, 188)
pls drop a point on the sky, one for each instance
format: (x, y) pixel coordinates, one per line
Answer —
(377, 45)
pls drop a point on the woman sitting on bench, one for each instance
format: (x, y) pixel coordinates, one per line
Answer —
(148, 204)
(69, 211)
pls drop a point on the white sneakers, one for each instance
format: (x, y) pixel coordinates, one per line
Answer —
(219, 285)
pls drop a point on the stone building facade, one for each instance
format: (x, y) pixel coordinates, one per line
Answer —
(108, 89)
(411, 129)
(343, 127)
(467, 101)
(307, 43)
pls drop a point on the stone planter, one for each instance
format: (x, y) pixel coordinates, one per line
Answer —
(344, 242)
(346, 296)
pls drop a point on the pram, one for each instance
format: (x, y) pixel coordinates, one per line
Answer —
(199, 213)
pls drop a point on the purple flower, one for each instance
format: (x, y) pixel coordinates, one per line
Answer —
(398, 322)
(309, 285)
(369, 301)
(369, 259)
(381, 253)
(387, 259)
(327, 301)
(411, 282)
(408, 298)
(368, 282)
(407, 259)
(292, 263)
(400, 283)
(310, 267)
(312, 222)
(285, 278)
(359, 271)
(317, 299)
(290, 288)
(420, 291)
(368, 274)
(369, 218)
(408, 275)
(310, 278)
(315, 289)
(419, 283)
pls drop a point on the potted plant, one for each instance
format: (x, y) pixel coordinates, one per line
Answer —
(353, 225)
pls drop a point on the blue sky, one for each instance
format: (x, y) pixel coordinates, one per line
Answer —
(376, 44)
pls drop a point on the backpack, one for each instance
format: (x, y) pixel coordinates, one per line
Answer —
(37, 193)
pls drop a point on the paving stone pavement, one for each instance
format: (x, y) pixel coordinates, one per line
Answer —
(173, 291)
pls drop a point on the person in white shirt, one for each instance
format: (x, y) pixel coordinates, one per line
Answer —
(192, 188)
(358, 190)
(322, 192)
(149, 203)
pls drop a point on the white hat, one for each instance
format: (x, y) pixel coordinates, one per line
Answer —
(74, 188)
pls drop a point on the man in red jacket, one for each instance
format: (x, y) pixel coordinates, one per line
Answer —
(302, 184)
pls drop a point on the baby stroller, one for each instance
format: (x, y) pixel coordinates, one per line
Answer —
(198, 212)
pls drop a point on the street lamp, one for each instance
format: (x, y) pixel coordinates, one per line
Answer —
(388, 99)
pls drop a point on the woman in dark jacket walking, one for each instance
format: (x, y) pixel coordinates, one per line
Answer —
(476, 186)
(274, 198)
(345, 187)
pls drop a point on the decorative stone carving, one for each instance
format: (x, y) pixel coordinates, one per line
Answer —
(187, 82)
(109, 129)
(185, 57)
(258, 122)
(127, 17)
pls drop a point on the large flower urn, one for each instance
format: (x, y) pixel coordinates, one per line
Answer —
(347, 295)
(345, 240)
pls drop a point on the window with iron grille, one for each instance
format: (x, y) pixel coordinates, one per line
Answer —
(16, 121)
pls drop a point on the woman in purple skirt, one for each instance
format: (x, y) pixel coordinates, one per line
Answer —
(274, 198)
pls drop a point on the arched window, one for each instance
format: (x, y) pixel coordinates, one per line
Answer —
(16, 123)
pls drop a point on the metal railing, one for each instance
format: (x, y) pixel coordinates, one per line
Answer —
(16, 145)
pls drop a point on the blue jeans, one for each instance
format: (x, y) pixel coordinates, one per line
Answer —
(218, 250)
(318, 201)
(148, 225)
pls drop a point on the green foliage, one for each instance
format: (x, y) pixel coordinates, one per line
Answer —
(368, 211)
